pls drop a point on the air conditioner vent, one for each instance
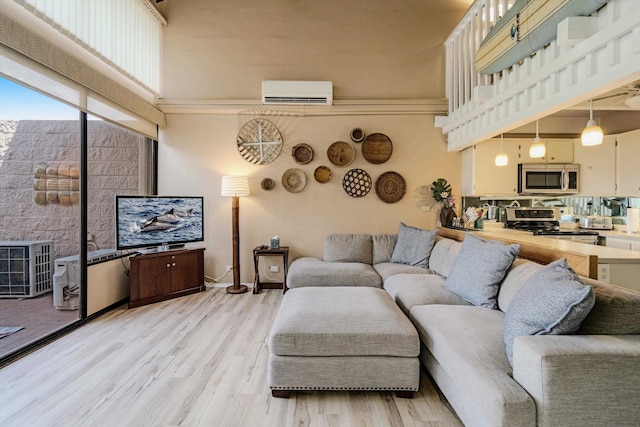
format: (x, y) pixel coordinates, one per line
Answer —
(296, 92)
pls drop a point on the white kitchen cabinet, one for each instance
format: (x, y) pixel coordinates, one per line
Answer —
(557, 151)
(481, 176)
(615, 242)
(597, 167)
(628, 164)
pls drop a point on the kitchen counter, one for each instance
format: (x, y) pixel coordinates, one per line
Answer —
(619, 234)
(608, 264)
(604, 254)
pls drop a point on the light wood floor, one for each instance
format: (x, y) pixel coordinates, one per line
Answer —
(199, 360)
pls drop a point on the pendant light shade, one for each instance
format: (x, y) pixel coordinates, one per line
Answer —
(592, 134)
(537, 149)
(501, 158)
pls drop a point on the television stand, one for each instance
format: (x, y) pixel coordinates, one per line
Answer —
(161, 276)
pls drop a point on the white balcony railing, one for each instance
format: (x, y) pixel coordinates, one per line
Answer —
(567, 71)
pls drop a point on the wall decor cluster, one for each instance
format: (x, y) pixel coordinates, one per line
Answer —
(259, 142)
(56, 185)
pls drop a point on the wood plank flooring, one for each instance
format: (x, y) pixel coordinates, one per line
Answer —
(199, 360)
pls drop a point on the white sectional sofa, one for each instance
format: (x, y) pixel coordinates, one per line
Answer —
(588, 377)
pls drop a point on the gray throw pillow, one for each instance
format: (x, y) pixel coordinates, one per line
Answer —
(479, 268)
(551, 302)
(413, 246)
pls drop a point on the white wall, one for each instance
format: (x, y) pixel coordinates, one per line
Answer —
(196, 150)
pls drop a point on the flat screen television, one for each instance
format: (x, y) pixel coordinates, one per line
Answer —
(158, 222)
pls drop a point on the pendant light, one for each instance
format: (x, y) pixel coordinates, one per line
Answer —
(501, 158)
(537, 149)
(592, 134)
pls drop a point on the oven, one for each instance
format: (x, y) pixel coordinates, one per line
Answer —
(546, 222)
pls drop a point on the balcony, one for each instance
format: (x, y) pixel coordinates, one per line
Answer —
(589, 56)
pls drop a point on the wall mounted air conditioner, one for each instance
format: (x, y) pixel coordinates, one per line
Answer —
(297, 92)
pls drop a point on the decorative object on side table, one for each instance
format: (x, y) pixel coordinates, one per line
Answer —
(441, 192)
(235, 186)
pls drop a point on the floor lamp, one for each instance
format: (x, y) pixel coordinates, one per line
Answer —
(235, 186)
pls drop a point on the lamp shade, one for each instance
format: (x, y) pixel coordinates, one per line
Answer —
(502, 159)
(235, 186)
(537, 149)
(592, 134)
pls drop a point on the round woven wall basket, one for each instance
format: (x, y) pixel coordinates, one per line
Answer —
(322, 174)
(294, 180)
(377, 148)
(356, 183)
(341, 153)
(302, 153)
(267, 184)
(391, 187)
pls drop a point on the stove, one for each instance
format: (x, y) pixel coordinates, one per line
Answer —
(545, 222)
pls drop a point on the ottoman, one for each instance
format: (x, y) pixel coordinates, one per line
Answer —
(342, 338)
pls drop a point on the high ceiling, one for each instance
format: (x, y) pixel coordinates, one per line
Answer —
(370, 49)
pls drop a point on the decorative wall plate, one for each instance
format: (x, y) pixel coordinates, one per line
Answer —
(377, 148)
(259, 142)
(294, 180)
(302, 153)
(391, 187)
(357, 135)
(341, 153)
(267, 184)
(356, 183)
(322, 174)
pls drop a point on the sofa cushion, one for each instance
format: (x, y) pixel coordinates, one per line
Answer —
(553, 301)
(414, 246)
(308, 271)
(479, 268)
(409, 290)
(521, 270)
(383, 245)
(616, 311)
(443, 255)
(467, 343)
(343, 321)
(348, 248)
(388, 269)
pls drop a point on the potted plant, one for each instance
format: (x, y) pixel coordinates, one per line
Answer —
(441, 192)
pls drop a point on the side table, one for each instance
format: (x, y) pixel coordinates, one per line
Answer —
(282, 251)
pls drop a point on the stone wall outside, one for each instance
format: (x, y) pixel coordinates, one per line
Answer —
(39, 205)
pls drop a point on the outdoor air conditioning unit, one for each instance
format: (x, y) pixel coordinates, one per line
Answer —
(26, 268)
(295, 92)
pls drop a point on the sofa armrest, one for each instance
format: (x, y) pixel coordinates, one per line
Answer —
(587, 380)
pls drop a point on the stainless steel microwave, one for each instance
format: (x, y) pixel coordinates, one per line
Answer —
(548, 178)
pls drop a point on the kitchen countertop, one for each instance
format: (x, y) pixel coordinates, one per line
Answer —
(619, 233)
(606, 255)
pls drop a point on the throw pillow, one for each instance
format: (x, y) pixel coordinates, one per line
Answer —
(413, 246)
(479, 268)
(551, 302)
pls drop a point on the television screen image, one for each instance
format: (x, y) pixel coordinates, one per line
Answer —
(158, 221)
